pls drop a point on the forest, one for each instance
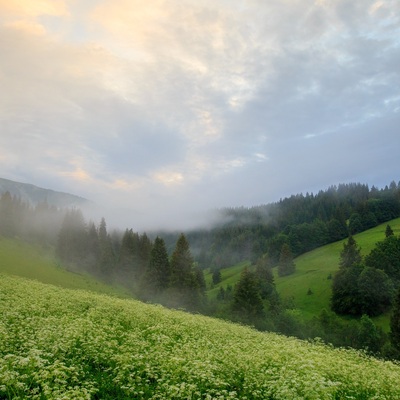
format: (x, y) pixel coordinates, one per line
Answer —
(168, 267)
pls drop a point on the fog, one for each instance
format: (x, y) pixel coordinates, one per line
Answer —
(159, 113)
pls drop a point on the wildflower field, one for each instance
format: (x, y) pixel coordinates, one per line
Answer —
(68, 344)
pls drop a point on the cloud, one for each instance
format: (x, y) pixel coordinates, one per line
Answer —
(176, 106)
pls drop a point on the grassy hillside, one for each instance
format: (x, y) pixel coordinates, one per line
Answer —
(58, 343)
(313, 271)
(30, 261)
(314, 268)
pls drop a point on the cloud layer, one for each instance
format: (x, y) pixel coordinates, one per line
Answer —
(165, 109)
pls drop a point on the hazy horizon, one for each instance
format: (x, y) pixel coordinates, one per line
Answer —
(162, 111)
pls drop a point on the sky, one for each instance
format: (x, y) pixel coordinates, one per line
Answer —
(160, 110)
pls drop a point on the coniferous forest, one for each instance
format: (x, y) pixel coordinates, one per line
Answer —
(168, 267)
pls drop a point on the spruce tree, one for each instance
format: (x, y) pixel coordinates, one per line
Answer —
(181, 264)
(286, 265)
(389, 231)
(144, 250)
(266, 278)
(128, 256)
(158, 272)
(351, 254)
(73, 239)
(106, 256)
(186, 284)
(247, 304)
(216, 276)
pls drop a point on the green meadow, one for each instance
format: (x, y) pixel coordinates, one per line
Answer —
(58, 343)
(314, 271)
(34, 262)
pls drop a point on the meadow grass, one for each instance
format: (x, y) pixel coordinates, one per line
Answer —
(229, 276)
(314, 271)
(32, 261)
(59, 343)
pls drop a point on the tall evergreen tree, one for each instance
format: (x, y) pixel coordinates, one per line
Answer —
(216, 276)
(286, 264)
(247, 304)
(106, 256)
(351, 254)
(158, 273)
(72, 239)
(93, 247)
(388, 231)
(185, 283)
(128, 257)
(144, 253)
(266, 278)
(182, 264)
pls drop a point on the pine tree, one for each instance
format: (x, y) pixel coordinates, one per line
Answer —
(181, 264)
(106, 255)
(389, 231)
(247, 304)
(144, 252)
(216, 276)
(128, 256)
(158, 273)
(266, 278)
(72, 240)
(185, 284)
(351, 254)
(286, 265)
(93, 247)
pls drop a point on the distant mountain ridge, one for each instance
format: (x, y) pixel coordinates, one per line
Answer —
(33, 194)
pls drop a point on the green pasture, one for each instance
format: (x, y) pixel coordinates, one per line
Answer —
(315, 268)
(229, 278)
(57, 343)
(31, 261)
(314, 271)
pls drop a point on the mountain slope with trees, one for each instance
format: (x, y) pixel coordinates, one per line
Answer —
(302, 222)
(169, 268)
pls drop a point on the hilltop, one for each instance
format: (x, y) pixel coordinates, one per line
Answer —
(34, 195)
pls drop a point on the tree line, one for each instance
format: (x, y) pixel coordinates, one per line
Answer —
(34, 223)
(302, 222)
(132, 260)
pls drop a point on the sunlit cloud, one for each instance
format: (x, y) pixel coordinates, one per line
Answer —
(205, 99)
(169, 178)
(32, 9)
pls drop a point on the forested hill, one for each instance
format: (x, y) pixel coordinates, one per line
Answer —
(34, 195)
(304, 222)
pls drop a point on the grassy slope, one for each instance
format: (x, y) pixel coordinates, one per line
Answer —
(312, 271)
(57, 343)
(30, 261)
